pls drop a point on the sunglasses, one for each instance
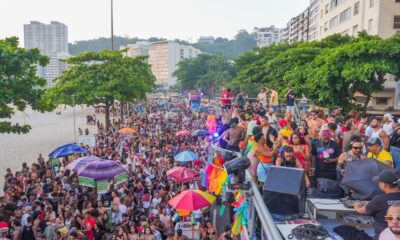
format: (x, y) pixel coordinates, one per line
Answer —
(357, 148)
(390, 218)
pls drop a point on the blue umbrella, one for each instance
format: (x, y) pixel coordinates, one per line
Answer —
(186, 156)
(66, 150)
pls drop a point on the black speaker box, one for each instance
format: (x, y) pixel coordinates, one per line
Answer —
(284, 190)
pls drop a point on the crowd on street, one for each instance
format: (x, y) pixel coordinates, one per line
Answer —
(45, 200)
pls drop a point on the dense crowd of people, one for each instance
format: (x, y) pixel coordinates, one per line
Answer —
(320, 142)
(45, 200)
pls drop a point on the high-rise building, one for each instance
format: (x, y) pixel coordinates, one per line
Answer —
(51, 40)
(138, 49)
(297, 29)
(314, 20)
(267, 36)
(377, 17)
(164, 57)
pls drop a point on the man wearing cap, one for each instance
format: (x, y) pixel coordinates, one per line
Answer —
(392, 232)
(378, 206)
(377, 152)
(325, 154)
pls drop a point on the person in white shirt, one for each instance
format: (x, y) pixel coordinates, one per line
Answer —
(388, 124)
(392, 232)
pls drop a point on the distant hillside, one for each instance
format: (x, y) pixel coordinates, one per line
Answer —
(103, 43)
(231, 49)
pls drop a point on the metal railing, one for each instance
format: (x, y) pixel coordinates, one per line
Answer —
(261, 225)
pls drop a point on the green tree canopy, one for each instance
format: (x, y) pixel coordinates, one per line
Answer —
(330, 71)
(19, 85)
(99, 78)
(205, 72)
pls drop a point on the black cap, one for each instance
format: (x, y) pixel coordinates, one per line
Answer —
(374, 141)
(387, 176)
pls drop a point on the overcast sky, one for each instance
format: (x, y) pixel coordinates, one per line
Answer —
(183, 19)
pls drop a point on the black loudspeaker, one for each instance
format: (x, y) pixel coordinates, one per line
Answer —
(284, 190)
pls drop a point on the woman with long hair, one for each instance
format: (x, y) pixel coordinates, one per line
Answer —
(300, 149)
(265, 155)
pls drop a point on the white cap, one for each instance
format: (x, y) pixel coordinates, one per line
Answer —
(389, 116)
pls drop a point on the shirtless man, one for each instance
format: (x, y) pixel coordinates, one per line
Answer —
(234, 135)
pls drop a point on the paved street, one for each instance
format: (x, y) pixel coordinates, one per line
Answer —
(48, 131)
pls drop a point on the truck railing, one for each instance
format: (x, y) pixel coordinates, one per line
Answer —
(260, 223)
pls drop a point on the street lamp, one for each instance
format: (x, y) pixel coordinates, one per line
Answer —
(112, 26)
(73, 109)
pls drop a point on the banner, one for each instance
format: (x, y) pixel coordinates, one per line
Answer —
(89, 140)
(88, 182)
(102, 186)
(121, 178)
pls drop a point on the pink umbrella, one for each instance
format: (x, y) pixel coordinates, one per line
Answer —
(183, 133)
(182, 174)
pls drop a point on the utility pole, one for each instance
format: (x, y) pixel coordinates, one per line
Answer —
(112, 25)
(73, 109)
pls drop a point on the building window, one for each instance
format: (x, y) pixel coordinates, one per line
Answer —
(326, 26)
(334, 22)
(355, 30)
(326, 8)
(371, 3)
(345, 15)
(381, 101)
(396, 22)
(370, 25)
(356, 8)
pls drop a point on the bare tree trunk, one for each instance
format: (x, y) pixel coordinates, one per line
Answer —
(107, 116)
(122, 110)
(365, 107)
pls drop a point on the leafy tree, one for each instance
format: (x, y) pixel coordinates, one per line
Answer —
(19, 85)
(100, 78)
(359, 66)
(205, 72)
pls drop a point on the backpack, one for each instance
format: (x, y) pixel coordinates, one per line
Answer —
(27, 233)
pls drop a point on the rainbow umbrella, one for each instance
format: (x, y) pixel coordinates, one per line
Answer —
(182, 174)
(191, 200)
(183, 133)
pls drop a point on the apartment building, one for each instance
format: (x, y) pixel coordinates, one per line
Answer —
(297, 29)
(138, 49)
(377, 17)
(164, 57)
(52, 41)
(267, 35)
(206, 40)
(314, 20)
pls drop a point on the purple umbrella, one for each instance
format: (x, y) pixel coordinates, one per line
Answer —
(103, 170)
(81, 162)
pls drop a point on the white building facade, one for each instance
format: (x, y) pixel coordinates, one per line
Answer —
(267, 36)
(164, 57)
(52, 41)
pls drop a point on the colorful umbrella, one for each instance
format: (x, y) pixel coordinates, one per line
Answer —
(66, 150)
(129, 131)
(183, 133)
(186, 156)
(191, 200)
(81, 162)
(200, 132)
(182, 174)
(101, 170)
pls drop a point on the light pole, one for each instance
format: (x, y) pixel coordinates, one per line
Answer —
(73, 109)
(112, 25)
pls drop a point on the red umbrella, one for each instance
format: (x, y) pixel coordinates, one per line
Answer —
(182, 174)
(191, 200)
(183, 133)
